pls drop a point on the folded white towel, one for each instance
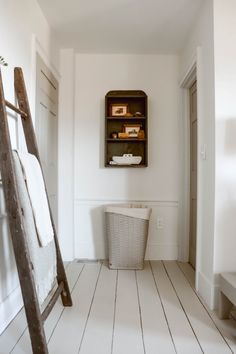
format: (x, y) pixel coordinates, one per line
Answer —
(43, 259)
(38, 198)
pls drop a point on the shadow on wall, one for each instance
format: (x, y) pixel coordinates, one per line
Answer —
(229, 127)
(99, 242)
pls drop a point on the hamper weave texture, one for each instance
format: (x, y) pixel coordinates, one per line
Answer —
(127, 240)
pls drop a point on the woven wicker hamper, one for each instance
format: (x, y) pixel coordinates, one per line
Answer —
(127, 236)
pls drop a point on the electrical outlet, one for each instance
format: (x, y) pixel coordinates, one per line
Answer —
(160, 222)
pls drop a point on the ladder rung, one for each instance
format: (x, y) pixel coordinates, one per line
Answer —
(52, 302)
(14, 108)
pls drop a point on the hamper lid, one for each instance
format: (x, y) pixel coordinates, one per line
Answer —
(140, 212)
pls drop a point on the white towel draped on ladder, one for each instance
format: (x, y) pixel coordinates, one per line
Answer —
(38, 198)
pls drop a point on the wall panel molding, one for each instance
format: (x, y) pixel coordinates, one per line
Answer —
(90, 238)
(88, 201)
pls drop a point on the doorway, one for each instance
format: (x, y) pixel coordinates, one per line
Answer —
(46, 127)
(193, 173)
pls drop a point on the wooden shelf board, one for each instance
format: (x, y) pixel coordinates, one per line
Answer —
(125, 118)
(126, 96)
(126, 166)
(125, 140)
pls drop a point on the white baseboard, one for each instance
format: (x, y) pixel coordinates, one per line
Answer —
(216, 292)
(162, 252)
(154, 252)
(10, 307)
(208, 291)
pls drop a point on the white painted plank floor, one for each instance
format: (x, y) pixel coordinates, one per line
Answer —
(129, 312)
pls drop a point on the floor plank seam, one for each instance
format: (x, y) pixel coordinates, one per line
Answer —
(10, 323)
(140, 313)
(180, 280)
(203, 304)
(163, 308)
(18, 340)
(114, 313)
(90, 307)
(22, 309)
(22, 334)
(54, 328)
(182, 307)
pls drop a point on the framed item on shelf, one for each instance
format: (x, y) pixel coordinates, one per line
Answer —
(118, 109)
(132, 129)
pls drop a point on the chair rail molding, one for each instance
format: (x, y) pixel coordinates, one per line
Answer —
(90, 237)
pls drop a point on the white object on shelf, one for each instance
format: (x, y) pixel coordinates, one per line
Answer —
(127, 159)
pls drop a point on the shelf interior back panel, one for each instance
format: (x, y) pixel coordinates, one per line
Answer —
(134, 104)
(120, 148)
(116, 126)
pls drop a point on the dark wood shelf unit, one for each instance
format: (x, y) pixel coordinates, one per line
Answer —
(137, 102)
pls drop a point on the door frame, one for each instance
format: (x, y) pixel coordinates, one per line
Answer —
(41, 67)
(193, 73)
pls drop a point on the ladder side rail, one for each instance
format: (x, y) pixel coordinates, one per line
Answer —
(18, 236)
(31, 142)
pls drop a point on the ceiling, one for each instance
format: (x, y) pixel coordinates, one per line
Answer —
(122, 26)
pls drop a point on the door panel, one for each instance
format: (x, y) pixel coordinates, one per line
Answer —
(46, 127)
(193, 174)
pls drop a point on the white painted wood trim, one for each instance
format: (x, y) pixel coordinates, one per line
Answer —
(193, 72)
(189, 75)
(184, 207)
(37, 48)
(208, 291)
(200, 83)
(165, 203)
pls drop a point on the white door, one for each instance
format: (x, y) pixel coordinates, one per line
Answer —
(46, 126)
(193, 174)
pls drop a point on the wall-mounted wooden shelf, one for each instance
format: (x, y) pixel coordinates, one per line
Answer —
(136, 101)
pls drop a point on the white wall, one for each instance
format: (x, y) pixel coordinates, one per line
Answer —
(202, 36)
(19, 21)
(225, 91)
(157, 185)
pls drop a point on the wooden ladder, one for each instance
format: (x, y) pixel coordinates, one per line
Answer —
(34, 316)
